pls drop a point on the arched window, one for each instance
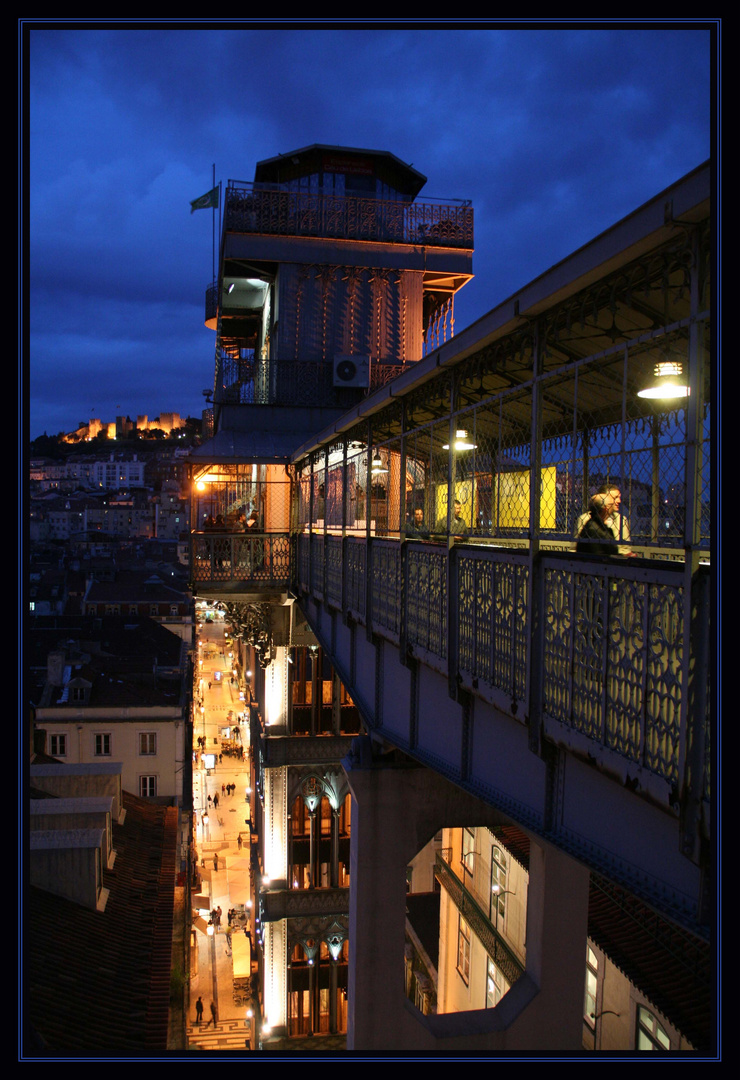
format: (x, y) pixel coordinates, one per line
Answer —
(651, 1035)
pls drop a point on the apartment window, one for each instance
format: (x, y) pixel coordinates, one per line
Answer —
(147, 743)
(468, 849)
(154, 609)
(498, 883)
(463, 950)
(592, 980)
(102, 745)
(147, 786)
(112, 609)
(494, 984)
(58, 745)
(651, 1035)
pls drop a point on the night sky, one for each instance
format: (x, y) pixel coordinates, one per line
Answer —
(554, 133)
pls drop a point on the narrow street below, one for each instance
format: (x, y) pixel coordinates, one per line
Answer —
(221, 960)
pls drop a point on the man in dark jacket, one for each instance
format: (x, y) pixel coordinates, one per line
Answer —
(595, 537)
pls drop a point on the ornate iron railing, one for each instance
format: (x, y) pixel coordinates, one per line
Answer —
(289, 213)
(492, 620)
(386, 587)
(426, 598)
(317, 566)
(614, 646)
(212, 301)
(612, 643)
(355, 578)
(303, 749)
(233, 558)
(280, 904)
(333, 557)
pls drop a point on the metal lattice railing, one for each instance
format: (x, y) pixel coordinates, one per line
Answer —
(613, 636)
(293, 213)
(613, 656)
(232, 558)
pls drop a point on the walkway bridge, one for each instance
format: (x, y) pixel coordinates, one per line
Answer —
(428, 537)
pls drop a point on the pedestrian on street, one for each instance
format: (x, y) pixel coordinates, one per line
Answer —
(215, 800)
(215, 861)
(239, 841)
(220, 759)
(223, 789)
(199, 1010)
(213, 1014)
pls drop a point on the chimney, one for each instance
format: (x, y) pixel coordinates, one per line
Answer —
(55, 667)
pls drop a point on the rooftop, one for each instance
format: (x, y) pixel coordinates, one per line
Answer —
(99, 982)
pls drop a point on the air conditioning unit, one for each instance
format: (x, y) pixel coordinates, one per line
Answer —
(352, 371)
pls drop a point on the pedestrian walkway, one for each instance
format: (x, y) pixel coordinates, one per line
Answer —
(212, 969)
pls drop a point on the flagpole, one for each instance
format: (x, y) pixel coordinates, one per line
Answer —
(213, 228)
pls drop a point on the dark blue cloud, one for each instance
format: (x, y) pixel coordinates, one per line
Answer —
(553, 133)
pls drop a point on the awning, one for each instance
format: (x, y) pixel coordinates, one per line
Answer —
(200, 924)
(241, 954)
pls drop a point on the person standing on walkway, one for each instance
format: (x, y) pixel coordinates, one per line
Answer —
(215, 860)
(213, 1014)
(199, 1010)
(239, 841)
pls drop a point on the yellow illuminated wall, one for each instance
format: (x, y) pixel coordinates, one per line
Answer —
(463, 492)
(511, 499)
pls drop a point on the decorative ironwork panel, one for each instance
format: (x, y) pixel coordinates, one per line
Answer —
(426, 600)
(626, 667)
(558, 652)
(317, 565)
(333, 555)
(303, 542)
(493, 621)
(589, 648)
(264, 559)
(352, 218)
(664, 663)
(355, 577)
(613, 662)
(386, 588)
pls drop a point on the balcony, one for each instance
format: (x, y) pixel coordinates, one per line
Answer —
(277, 904)
(283, 213)
(479, 921)
(226, 560)
(303, 749)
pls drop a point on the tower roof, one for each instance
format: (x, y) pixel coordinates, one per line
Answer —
(321, 157)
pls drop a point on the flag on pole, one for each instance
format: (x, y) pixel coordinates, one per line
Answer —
(205, 202)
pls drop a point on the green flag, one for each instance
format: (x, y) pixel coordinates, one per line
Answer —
(205, 201)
